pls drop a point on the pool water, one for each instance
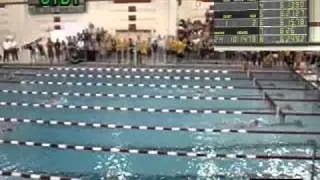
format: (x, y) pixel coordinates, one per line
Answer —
(94, 165)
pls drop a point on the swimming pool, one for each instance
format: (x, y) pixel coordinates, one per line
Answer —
(127, 123)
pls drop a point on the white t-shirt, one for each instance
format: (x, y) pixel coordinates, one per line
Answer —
(161, 43)
(6, 45)
(80, 44)
(13, 44)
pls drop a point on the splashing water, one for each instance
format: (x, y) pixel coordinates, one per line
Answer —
(113, 166)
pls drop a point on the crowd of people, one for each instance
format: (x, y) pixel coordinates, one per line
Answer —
(51, 50)
(94, 44)
(10, 49)
(300, 60)
(196, 36)
(192, 42)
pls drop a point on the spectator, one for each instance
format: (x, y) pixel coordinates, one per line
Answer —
(31, 47)
(125, 48)
(138, 50)
(64, 49)
(6, 45)
(57, 47)
(143, 50)
(39, 47)
(180, 48)
(131, 51)
(50, 47)
(119, 50)
(14, 50)
(162, 48)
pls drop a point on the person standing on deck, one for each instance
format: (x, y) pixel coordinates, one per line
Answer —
(14, 50)
(143, 50)
(50, 53)
(125, 49)
(63, 49)
(138, 50)
(161, 49)
(131, 51)
(119, 49)
(57, 48)
(180, 48)
(6, 45)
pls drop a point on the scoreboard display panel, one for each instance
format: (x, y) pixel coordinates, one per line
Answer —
(260, 21)
(41, 7)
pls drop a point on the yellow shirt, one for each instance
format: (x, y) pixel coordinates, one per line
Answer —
(180, 47)
(125, 45)
(119, 45)
(144, 47)
(173, 45)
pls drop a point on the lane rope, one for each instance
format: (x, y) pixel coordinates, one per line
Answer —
(151, 110)
(34, 176)
(160, 70)
(134, 96)
(132, 109)
(165, 77)
(147, 96)
(155, 152)
(130, 85)
(182, 86)
(108, 76)
(150, 128)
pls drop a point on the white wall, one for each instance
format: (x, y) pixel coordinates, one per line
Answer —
(159, 15)
(25, 27)
(4, 24)
(193, 9)
(314, 17)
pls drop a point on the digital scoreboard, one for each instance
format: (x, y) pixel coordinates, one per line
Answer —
(39, 7)
(260, 21)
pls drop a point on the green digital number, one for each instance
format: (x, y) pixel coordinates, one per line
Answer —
(45, 2)
(59, 2)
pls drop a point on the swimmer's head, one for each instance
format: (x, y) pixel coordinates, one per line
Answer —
(298, 123)
(256, 122)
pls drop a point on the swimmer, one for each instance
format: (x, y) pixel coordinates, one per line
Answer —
(199, 92)
(260, 123)
(287, 107)
(252, 124)
(297, 123)
(6, 127)
(56, 101)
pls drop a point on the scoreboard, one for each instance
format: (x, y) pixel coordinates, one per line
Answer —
(260, 21)
(41, 7)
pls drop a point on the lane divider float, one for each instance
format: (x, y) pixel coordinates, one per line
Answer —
(132, 109)
(130, 85)
(182, 86)
(150, 128)
(155, 152)
(100, 76)
(151, 70)
(147, 96)
(34, 176)
(134, 96)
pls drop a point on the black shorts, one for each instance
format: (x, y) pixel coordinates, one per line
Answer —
(180, 55)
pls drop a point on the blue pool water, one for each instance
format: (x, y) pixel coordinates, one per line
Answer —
(92, 165)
